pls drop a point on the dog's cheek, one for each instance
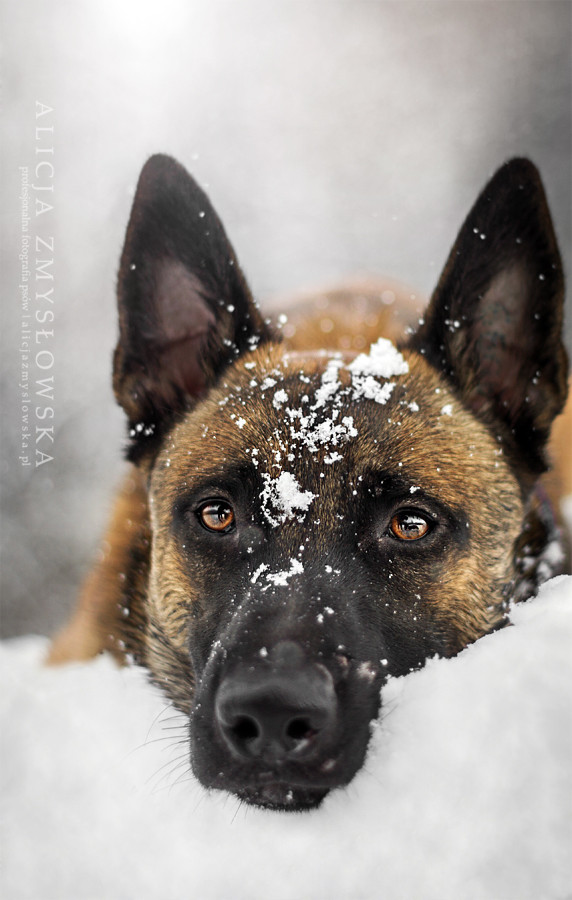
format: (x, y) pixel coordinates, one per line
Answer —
(191, 598)
(472, 595)
(168, 603)
(468, 604)
(168, 597)
(439, 605)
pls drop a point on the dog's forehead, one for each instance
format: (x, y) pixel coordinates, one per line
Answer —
(300, 419)
(299, 404)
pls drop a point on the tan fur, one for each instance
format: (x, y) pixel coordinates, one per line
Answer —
(351, 316)
(559, 479)
(90, 630)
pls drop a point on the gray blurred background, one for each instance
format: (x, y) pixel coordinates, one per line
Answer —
(335, 138)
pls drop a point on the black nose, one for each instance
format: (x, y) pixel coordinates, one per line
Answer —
(282, 709)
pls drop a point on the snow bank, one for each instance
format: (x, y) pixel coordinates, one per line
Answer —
(466, 793)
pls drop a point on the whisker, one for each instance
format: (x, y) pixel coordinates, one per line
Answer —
(161, 712)
(166, 772)
(239, 805)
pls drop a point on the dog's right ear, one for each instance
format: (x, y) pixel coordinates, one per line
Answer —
(494, 323)
(185, 310)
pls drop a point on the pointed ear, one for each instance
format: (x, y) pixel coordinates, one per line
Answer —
(493, 325)
(185, 310)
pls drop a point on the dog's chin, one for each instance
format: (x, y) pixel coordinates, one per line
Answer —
(282, 797)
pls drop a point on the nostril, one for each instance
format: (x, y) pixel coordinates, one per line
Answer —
(245, 729)
(299, 729)
(276, 713)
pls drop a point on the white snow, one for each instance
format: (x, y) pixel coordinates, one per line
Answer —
(256, 575)
(282, 497)
(329, 383)
(310, 433)
(466, 793)
(281, 578)
(279, 398)
(369, 388)
(383, 361)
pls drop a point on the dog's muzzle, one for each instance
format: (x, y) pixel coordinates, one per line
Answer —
(280, 728)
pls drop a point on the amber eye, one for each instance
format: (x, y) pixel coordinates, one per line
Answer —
(216, 515)
(410, 526)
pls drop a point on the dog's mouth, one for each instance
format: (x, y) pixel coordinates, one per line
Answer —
(287, 788)
(282, 796)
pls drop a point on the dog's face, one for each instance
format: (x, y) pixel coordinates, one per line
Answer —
(319, 522)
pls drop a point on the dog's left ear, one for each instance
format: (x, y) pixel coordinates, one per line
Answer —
(494, 322)
(185, 310)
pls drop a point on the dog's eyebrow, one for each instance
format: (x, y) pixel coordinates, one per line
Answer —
(233, 479)
(390, 486)
(389, 482)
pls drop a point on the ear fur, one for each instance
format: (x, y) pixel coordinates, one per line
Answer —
(185, 310)
(494, 322)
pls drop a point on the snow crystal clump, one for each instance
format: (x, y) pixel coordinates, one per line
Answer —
(312, 434)
(330, 384)
(369, 388)
(282, 497)
(382, 361)
(261, 568)
(280, 579)
(280, 397)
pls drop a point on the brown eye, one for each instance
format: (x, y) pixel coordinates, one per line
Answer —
(410, 526)
(216, 515)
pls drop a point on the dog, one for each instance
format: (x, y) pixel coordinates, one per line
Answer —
(316, 504)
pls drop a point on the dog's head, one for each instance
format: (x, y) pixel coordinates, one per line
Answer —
(320, 521)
